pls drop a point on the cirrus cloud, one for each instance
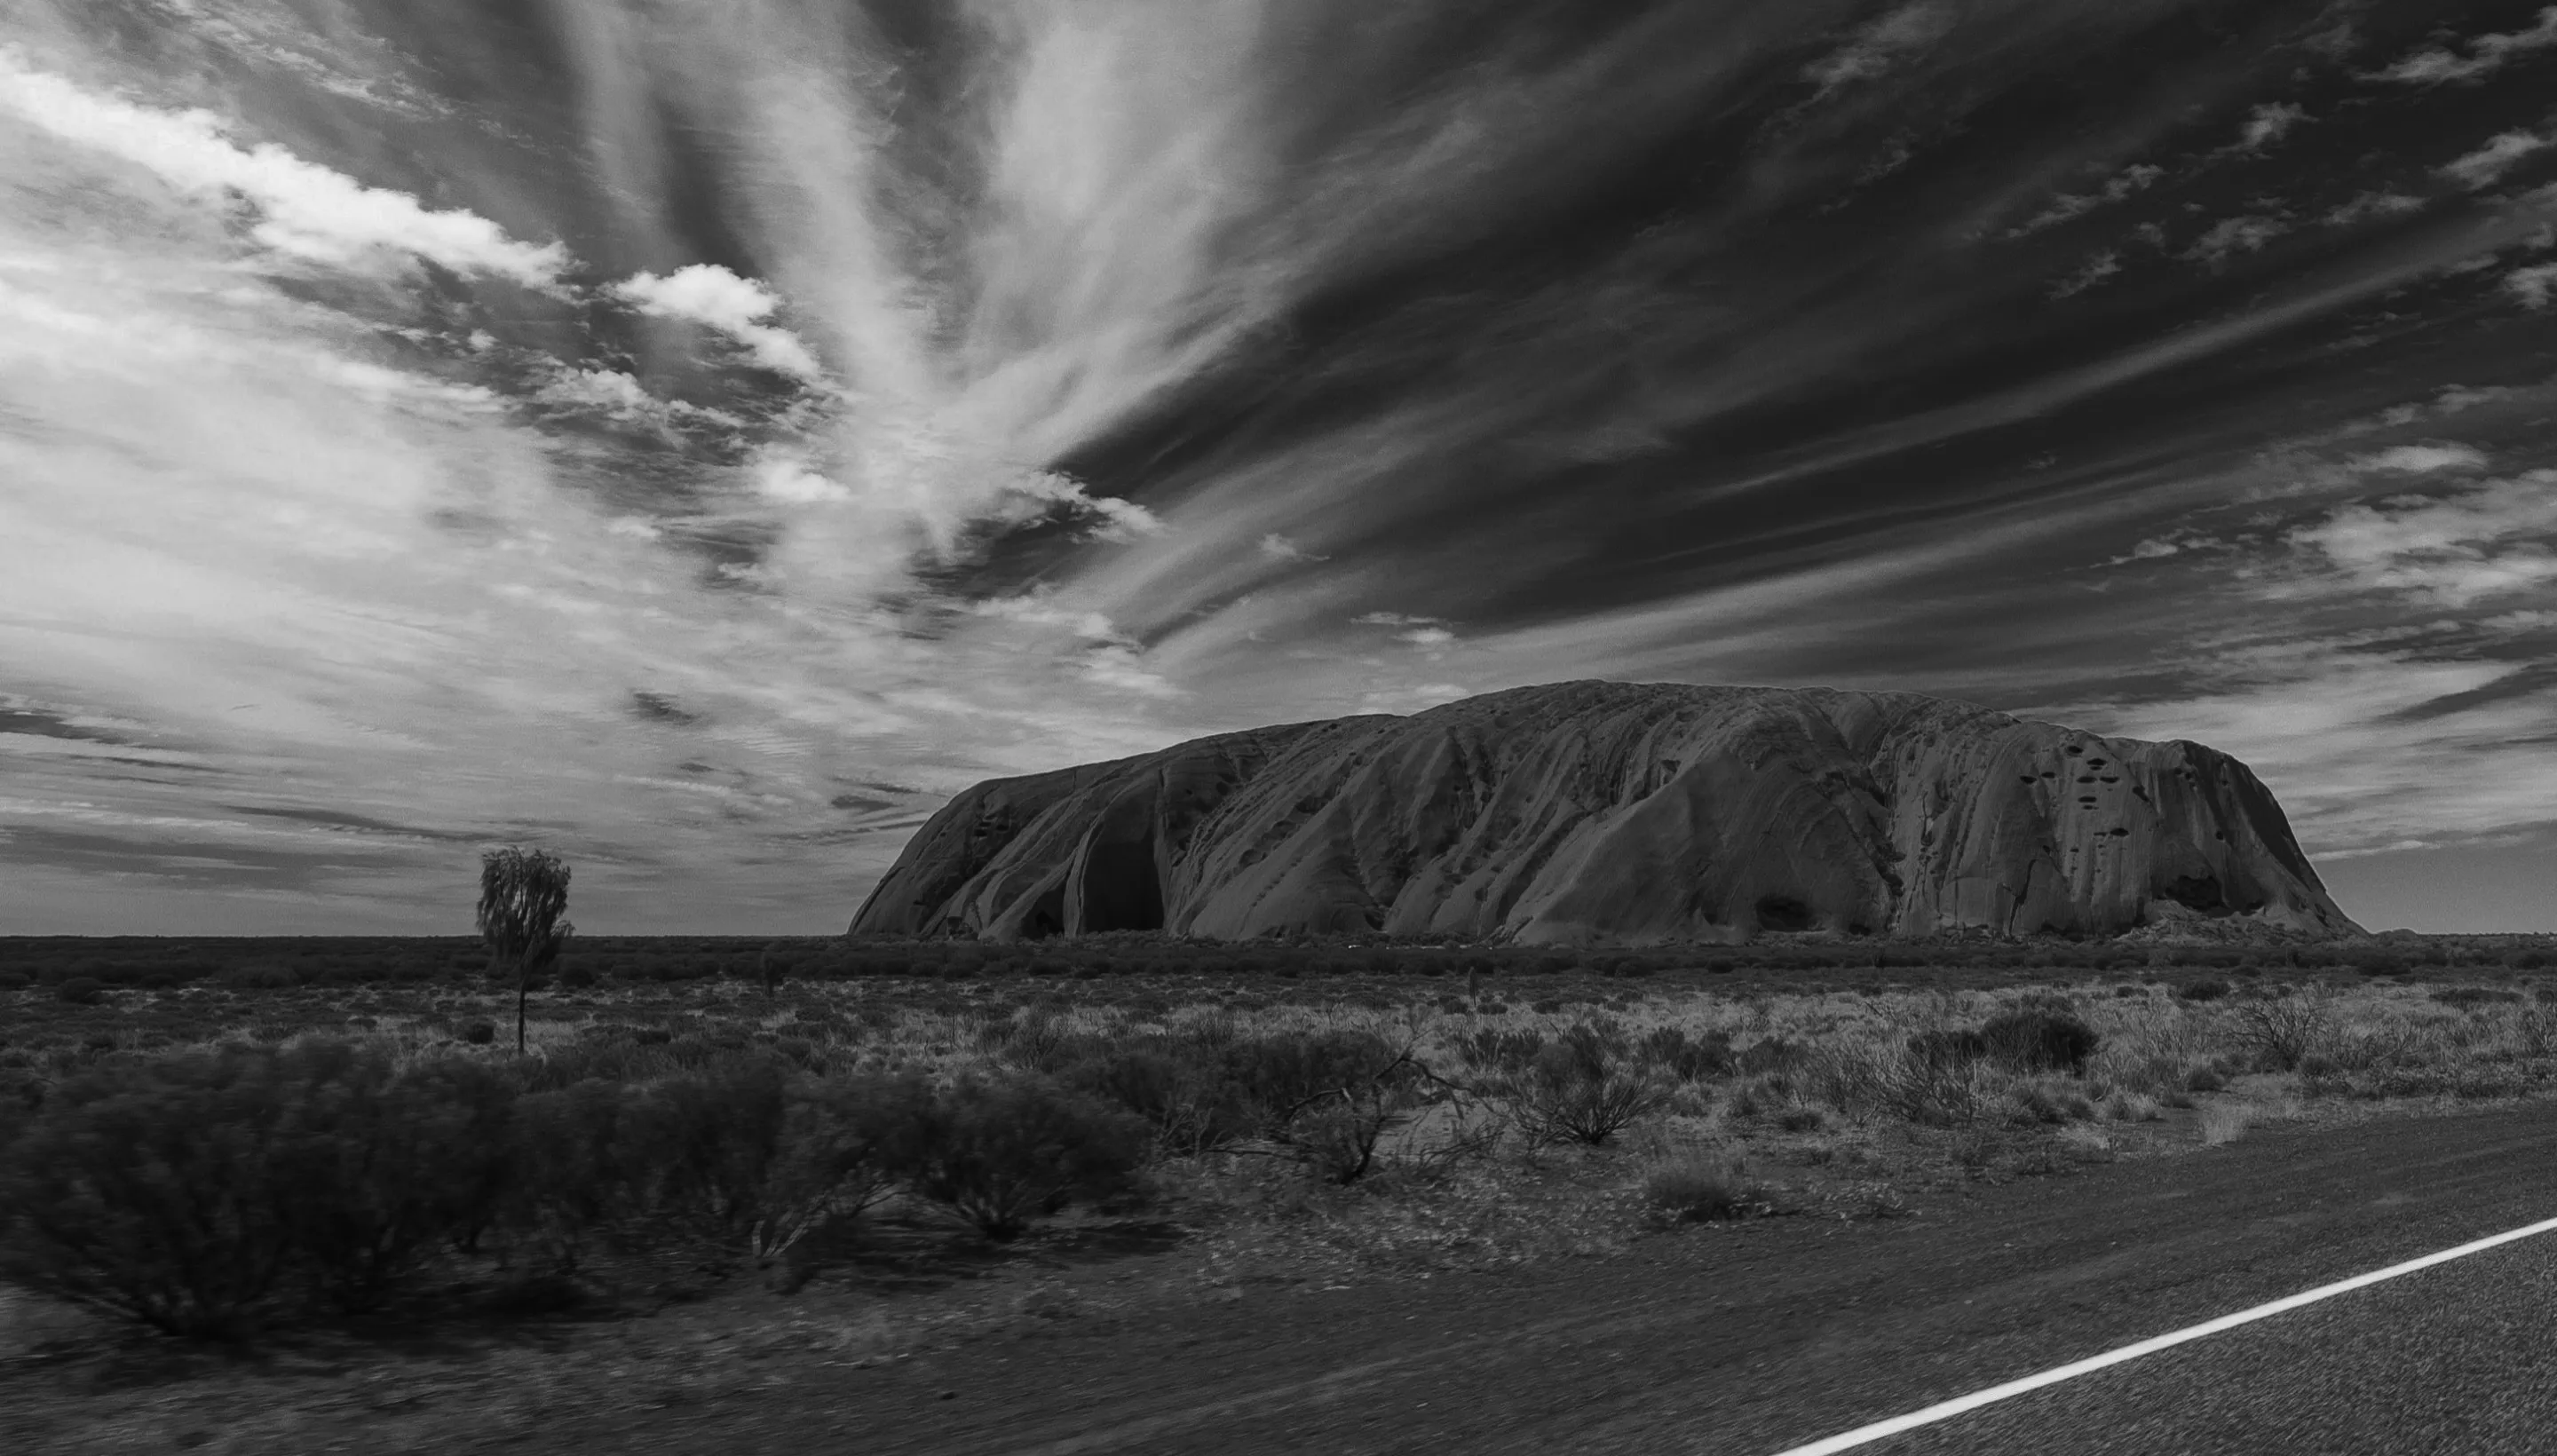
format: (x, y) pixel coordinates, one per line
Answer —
(2486, 55)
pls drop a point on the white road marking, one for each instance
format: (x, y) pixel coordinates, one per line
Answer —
(1994, 1393)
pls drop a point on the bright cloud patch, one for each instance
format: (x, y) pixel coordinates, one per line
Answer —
(2487, 54)
(2268, 124)
(304, 211)
(2533, 284)
(2373, 205)
(2232, 235)
(2097, 268)
(1280, 547)
(2418, 459)
(1879, 45)
(2357, 742)
(2487, 165)
(792, 481)
(2456, 550)
(2122, 185)
(719, 300)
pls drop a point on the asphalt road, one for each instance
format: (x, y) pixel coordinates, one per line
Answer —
(1752, 1339)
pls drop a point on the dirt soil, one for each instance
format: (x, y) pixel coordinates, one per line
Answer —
(1747, 1337)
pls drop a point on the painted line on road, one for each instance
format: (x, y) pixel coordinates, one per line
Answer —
(1994, 1393)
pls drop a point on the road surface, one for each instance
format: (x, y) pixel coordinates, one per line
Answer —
(1748, 1340)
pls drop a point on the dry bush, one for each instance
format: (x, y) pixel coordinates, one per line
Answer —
(154, 1194)
(2281, 1030)
(2029, 1103)
(1184, 1089)
(200, 1193)
(2227, 1121)
(1035, 1039)
(1697, 1058)
(1330, 1097)
(569, 1176)
(755, 1155)
(2039, 1038)
(1498, 1049)
(1917, 1081)
(1700, 1187)
(380, 1166)
(2123, 1104)
(1580, 1089)
(997, 1153)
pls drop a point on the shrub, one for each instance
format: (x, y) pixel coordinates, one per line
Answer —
(2282, 1030)
(1327, 1096)
(1800, 1119)
(2040, 1040)
(1000, 1153)
(153, 1193)
(1775, 1054)
(199, 1193)
(835, 1155)
(376, 1167)
(1935, 1078)
(1697, 1189)
(1947, 1049)
(2321, 1075)
(1185, 1089)
(2202, 990)
(479, 1032)
(700, 1145)
(1498, 1049)
(570, 1172)
(80, 990)
(1036, 1039)
(2030, 1104)
(1578, 1090)
(1689, 1059)
(2224, 1121)
(2122, 1105)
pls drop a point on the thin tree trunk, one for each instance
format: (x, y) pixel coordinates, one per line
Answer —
(523, 989)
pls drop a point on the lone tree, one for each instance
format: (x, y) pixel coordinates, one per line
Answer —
(521, 899)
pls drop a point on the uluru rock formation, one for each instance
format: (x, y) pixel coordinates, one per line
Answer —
(1592, 812)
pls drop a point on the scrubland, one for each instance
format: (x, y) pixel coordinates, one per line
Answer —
(268, 1159)
(1452, 1114)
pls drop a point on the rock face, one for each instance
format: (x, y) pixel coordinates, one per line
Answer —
(1594, 812)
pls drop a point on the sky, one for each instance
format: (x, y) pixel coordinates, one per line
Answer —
(697, 437)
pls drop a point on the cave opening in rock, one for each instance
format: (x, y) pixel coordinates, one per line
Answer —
(1783, 913)
(2197, 893)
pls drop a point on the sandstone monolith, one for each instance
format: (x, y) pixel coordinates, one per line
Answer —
(1599, 811)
